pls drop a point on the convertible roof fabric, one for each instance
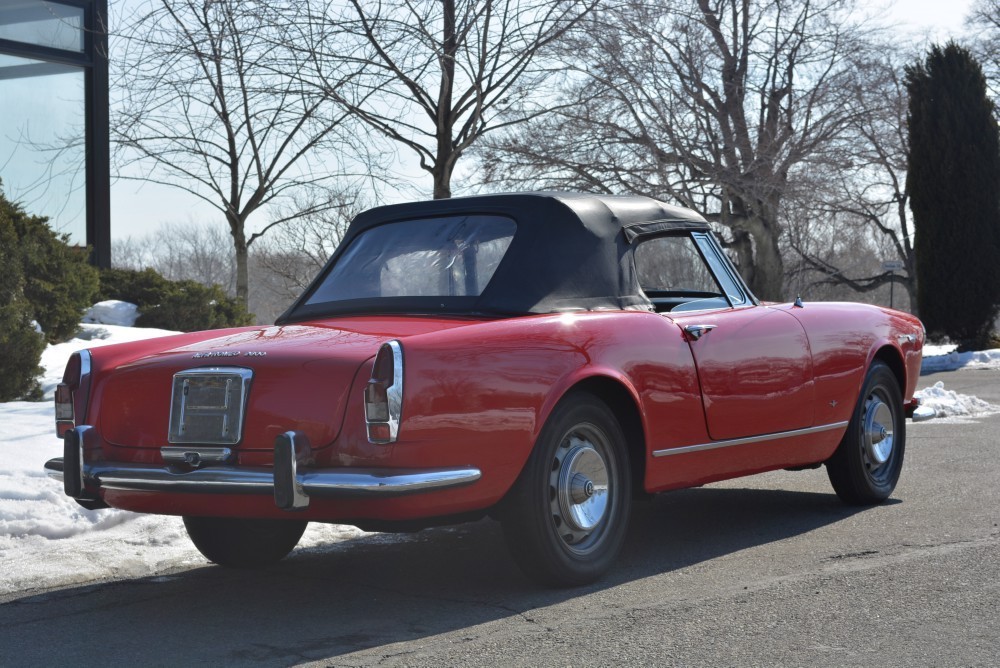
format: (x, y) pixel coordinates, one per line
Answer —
(571, 251)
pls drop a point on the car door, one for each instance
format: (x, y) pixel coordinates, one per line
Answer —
(754, 364)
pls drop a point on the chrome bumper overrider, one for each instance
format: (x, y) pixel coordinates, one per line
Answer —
(291, 488)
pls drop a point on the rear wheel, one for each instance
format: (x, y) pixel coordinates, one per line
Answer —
(244, 543)
(866, 466)
(566, 516)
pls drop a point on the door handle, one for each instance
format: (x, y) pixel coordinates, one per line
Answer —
(697, 331)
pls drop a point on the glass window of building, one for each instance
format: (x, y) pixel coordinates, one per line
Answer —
(53, 115)
(42, 139)
(44, 23)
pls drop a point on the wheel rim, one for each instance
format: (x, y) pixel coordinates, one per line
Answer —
(878, 438)
(581, 487)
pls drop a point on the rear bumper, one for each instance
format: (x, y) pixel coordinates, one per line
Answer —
(291, 488)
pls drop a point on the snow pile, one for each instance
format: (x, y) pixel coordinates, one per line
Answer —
(935, 401)
(112, 312)
(54, 357)
(944, 358)
(932, 349)
(46, 538)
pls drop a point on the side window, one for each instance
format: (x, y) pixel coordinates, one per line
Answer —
(673, 264)
(675, 276)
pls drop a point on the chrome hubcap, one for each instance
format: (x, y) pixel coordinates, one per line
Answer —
(878, 434)
(579, 485)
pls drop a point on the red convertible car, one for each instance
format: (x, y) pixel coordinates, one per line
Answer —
(538, 357)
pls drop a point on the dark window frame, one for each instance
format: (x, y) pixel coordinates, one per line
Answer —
(97, 150)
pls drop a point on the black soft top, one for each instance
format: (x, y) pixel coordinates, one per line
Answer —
(570, 250)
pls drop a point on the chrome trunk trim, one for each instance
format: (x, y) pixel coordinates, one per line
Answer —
(750, 439)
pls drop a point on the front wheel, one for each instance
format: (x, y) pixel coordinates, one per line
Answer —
(244, 543)
(866, 466)
(565, 518)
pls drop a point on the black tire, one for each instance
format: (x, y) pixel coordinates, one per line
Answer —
(565, 518)
(243, 543)
(866, 466)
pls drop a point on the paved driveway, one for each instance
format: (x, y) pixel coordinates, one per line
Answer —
(759, 571)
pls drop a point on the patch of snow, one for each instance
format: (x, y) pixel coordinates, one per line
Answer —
(54, 357)
(951, 360)
(937, 402)
(46, 538)
(112, 312)
(932, 350)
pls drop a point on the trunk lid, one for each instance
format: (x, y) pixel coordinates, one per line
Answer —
(301, 380)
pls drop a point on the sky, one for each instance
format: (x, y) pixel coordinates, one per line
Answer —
(139, 209)
(941, 19)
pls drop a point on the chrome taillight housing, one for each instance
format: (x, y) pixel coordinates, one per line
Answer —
(384, 394)
(73, 392)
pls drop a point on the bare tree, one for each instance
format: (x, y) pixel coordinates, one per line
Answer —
(295, 254)
(182, 251)
(214, 104)
(861, 207)
(437, 75)
(714, 104)
(984, 22)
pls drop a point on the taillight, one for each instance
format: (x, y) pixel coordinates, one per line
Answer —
(72, 393)
(384, 394)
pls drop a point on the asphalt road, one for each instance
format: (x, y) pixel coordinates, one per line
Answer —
(769, 570)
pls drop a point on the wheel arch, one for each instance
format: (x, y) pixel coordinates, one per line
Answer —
(623, 404)
(894, 360)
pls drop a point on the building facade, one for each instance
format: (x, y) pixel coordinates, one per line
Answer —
(54, 149)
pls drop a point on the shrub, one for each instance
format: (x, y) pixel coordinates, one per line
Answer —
(187, 306)
(20, 345)
(21, 349)
(59, 284)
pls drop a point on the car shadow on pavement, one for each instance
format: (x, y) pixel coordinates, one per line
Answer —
(380, 590)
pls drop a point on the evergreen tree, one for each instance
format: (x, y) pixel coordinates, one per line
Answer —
(954, 184)
(59, 283)
(45, 285)
(20, 345)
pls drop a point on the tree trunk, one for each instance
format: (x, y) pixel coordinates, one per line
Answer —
(236, 228)
(444, 159)
(769, 269)
(911, 290)
(442, 176)
(755, 241)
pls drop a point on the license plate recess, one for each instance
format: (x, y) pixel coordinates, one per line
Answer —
(207, 404)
